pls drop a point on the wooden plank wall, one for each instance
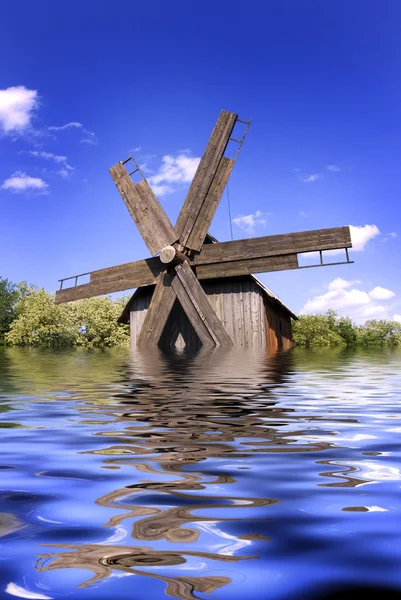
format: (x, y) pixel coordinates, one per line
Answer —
(278, 326)
(138, 313)
(250, 318)
(240, 305)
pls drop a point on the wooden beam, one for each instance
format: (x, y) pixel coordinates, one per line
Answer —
(192, 314)
(151, 220)
(210, 204)
(202, 181)
(114, 279)
(145, 271)
(247, 267)
(88, 290)
(275, 245)
(198, 308)
(158, 312)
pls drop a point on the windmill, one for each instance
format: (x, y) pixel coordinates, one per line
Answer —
(180, 256)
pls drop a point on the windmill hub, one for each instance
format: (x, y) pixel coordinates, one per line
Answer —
(167, 254)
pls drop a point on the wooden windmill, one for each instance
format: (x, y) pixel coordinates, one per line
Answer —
(180, 256)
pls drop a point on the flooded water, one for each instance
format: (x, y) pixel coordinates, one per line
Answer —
(221, 475)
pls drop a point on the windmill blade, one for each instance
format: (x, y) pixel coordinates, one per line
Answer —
(209, 206)
(202, 198)
(158, 312)
(275, 245)
(192, 314)
(238, 268)
(150, 218)
(114, 279)
(198, 309)
(268, 253)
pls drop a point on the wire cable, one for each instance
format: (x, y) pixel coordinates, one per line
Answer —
(229, 213)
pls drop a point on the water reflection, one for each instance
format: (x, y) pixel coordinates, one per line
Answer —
(172, 467)
(104, 560)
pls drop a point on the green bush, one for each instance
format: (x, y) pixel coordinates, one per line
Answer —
(316, 330)
(331, 330)
(89, 323)
(10, 296)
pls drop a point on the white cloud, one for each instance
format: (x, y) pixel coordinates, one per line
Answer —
(397, 318)
(16, 590)
(373, 311)
(334, 168)
(17, 105)
(380, 293)
(162, 189)
(179, 169)
(145, 169)
(72, 124)
(341, 284)
(361, 235)
(65, 169)
(350, 301)
(21, 182)
(392, 234)
(48, 156)
(249, 222)
(64, 173)
(311, 178)
(336, 299)
(135, 150)
(88, 137)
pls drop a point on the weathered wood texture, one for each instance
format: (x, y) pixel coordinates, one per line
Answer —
(248, 316)
(158, 312)
(275, 245)
(114, 279)
(224, 259)
(246, 267)
(238, 302)
(190, 223)
(278, 327)
(210, 204)
(198, 324)
(145, 272)
(145, 209)
(199, 310)
(138, 312)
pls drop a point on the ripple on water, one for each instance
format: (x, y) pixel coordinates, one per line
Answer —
(226, 475)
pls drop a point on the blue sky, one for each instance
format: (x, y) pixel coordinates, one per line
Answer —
(82, 84)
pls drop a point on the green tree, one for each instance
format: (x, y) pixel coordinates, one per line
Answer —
(40, 322)
(89, 323)
(317, 330)
(331, 330)
(95, 322)
(10, 296)
(379, 333)
(346, 330)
